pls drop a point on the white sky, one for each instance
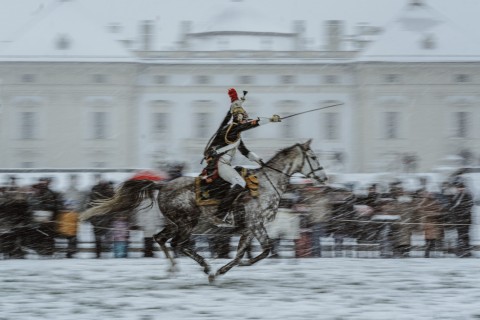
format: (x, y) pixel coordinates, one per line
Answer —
(307, 289)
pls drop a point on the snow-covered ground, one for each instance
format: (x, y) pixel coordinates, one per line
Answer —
(340, 288)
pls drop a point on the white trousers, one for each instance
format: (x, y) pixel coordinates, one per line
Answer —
(229, 174)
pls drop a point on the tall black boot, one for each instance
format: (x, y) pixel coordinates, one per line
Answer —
(227, 201)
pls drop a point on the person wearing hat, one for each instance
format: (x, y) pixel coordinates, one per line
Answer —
(223, 146)
(461, 210)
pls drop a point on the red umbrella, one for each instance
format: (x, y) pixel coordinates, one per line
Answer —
(148, 175)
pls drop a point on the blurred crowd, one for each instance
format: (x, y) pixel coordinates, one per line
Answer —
(34, 217)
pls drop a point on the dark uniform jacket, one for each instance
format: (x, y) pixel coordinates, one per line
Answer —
(228, 134)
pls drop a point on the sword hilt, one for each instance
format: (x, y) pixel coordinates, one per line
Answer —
(244, 95)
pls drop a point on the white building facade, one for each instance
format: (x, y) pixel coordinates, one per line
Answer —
(81, 98)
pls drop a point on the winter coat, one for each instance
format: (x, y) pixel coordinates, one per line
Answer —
(67, 223)
(461, 209)
(430, 211)
(402, 230)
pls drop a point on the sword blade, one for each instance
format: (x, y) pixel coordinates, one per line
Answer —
(296, 114)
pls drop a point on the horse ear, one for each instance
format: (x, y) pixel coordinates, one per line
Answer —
(306, 145)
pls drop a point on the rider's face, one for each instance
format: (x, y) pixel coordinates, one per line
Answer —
(241, 117)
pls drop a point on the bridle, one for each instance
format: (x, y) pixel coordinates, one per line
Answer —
(311, 174)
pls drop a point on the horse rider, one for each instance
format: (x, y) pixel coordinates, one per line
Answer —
(226, 141)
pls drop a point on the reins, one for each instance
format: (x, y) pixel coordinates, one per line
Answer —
(263, 164)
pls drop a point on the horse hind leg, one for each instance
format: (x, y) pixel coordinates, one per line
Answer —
(183, 243)
(161, 238)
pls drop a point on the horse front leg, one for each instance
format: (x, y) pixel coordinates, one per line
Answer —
(261, 235)
(243, 245)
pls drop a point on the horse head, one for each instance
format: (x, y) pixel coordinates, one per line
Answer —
(311, 166)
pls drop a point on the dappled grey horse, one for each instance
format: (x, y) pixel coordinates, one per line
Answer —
(177, 202)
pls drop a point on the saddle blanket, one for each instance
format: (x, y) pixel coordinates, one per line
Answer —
(210, 191)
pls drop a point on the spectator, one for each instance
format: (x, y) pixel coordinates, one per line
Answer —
(74, 203)
(430, 210)
(402, 230)
(73, 196)
(319, 216)
(343, 213)
(175, 170)
(120, 235)
(67, 228)
(371, 199)
(103, 189)
(150, 220)
(46, 205)
(461, 211)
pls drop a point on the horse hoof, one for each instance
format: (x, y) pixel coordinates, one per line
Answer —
(211, 278)
(172, 269)
(244, 264)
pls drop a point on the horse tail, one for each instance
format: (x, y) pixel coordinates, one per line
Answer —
(127, 197)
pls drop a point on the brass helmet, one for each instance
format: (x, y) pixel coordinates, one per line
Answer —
(236, 108)
(238, 113)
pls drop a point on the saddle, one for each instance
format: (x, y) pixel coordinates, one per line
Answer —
(210, 188)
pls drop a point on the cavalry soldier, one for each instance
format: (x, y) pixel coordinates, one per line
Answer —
(224, 144)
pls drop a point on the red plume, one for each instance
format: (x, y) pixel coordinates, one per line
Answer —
(232, 93)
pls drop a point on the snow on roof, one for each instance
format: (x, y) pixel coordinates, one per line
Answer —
(242, 16)
(420, 34)
(63, 31)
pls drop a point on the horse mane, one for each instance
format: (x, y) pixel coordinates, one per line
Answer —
(285, 151)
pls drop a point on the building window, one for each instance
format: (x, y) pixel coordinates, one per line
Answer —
(266, 44)
(461, 124)
(99, 125)
(160, 123)
(462, 78)
(99, 164)
(223, 44)
(202, 79)
(331, 125)
(331, 79)
(202, 127)
(392, 78)
(392, 122)
(287, 79)
(27, 125)
(160, 79)
(245, 79)
(99, 78)
(27, 164)
(63, 42)
(28, 77)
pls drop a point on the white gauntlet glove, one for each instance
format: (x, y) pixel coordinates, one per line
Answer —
(254, 157)
(275, 118)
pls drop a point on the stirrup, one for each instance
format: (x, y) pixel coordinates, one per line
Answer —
(216, 221)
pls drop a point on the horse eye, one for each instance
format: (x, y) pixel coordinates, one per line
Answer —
(314, 158)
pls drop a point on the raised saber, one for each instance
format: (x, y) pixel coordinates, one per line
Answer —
(296, 114)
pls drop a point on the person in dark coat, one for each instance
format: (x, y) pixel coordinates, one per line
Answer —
(461, 211)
